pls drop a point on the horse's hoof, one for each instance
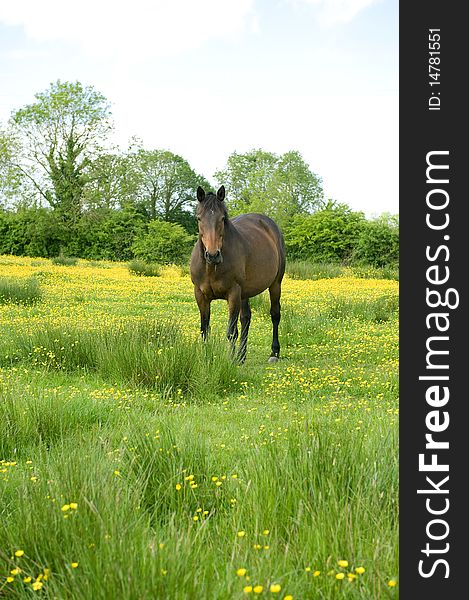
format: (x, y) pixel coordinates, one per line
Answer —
(273, 359)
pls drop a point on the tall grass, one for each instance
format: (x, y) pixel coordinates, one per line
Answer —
(298, 269)
(146, 353)
(301, 269)
(140, 267)
(151, 522)
(19, 291)
(65, 261)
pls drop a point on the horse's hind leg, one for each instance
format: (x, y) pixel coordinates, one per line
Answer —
(274, 291)
(234, 306)
(204, 308)
(245, 322)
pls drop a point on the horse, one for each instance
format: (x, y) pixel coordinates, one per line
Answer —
(236, 259)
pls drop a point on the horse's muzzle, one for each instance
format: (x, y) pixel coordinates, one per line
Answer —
(213, 259)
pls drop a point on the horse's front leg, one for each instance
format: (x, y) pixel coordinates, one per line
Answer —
(234, 306)
(204, 308)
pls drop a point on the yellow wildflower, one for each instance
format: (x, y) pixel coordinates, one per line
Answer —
(343, 563)
(392, 583)
(340, 576)
(258, 589)
(241, 572)
(74, 565)
(247, 589)
(275, 588)
(360, 570)
(19, 553)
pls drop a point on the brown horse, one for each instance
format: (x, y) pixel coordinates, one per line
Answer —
(236, 259)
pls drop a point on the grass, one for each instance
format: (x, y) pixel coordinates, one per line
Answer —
(137, 462)
(300, 269)
(64, 261)
(140, 267)
(149, 354)
(19, 291)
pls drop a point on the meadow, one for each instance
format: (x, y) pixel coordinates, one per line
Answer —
(137, 462)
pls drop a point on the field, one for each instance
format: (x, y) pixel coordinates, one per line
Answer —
(137, 462)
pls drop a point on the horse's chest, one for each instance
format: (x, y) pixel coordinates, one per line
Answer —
(214, 288)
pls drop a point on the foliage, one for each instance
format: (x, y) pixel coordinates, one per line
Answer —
(327, 235)
(19, 291)
(278, 186)
(163, 243)
(378, 242)
(163, 183)
(58, 135)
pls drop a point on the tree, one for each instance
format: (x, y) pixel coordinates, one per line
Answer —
(165, 183)
(11, 177)
(111, 182)
(59, 134)
(279, 186)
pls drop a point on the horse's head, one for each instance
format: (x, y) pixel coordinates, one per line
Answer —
(211, 216)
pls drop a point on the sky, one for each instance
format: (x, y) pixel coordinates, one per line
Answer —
(206, 78)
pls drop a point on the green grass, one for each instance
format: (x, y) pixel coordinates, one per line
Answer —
(149, 354)
(301, 269)
(140, 267)
(170, 449)
(64, 261)
(19, 291)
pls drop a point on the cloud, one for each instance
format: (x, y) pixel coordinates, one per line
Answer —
(130, 31)
(334, 12)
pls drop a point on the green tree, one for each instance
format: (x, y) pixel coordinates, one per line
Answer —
(12, 179)
(279, 186)
(112, 182)
(165, 184)
(59, 134)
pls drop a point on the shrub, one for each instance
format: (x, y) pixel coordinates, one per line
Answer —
(378, 242)
(19, 291)
(326, 236)
(163, 243)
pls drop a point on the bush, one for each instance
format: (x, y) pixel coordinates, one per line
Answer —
(139, 267)
(326, 236)
(378, 242)
(19, 291)
(163, 243)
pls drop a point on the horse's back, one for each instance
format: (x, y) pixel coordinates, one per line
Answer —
(264, 250)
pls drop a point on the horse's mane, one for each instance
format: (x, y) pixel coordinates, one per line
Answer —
(211, 202)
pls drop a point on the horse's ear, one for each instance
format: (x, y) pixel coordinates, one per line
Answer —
(221, 193)
(200, 194)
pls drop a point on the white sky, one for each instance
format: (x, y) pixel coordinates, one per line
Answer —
(204, 78)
